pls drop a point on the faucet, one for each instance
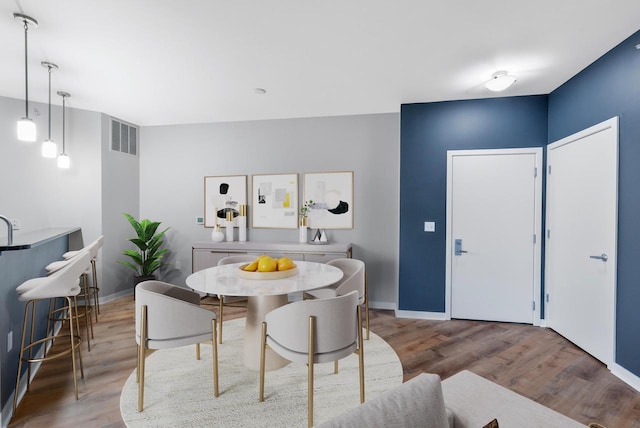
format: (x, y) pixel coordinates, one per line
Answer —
(9, 228)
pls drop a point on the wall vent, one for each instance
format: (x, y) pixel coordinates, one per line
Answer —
(124, 137)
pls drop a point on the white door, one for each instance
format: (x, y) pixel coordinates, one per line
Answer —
(493, 231)
(582, 190)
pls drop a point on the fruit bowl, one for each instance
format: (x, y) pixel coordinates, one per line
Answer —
(278, 274)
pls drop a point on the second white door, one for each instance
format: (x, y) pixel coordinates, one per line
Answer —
(493, 234)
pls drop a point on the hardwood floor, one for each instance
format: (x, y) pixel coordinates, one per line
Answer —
(532, 361)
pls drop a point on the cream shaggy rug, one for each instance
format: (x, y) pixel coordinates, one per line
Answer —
(179, 388)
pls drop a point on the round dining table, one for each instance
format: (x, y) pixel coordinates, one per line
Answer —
(263, 295)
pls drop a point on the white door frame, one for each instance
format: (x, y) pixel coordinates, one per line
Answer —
(613, 124)
(537, 151)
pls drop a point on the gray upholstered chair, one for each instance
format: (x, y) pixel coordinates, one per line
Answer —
(224, 300)
(314, 331)
(168, 316)
(64, 283)
(355, 278)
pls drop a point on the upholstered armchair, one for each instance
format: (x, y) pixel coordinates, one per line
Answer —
(314, 331)
(168, 316)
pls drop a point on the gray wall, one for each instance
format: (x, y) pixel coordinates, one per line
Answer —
(175, 159)
(120, 193)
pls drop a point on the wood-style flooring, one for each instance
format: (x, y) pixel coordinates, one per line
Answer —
(532, 361)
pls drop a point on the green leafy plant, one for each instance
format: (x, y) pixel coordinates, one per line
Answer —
(147, 259)
(304, 209)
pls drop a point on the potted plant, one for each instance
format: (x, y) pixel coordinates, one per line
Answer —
(147, 258)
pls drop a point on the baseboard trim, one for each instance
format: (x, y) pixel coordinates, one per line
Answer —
(382, 305)
(421, 315)
(626, 376)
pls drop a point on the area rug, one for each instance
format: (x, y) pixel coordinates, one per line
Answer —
(179, 388)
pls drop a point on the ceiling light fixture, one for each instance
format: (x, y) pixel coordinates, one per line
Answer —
(259, 91)
(63, 159)
(500, 81)
(26, 126)
(49, 148)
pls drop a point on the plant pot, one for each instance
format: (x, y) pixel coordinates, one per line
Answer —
(138, 279)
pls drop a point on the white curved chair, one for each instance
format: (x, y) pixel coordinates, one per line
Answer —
(222, 300)
(314, 331)
(92, 291)
(64, 283)
(168, 316)
(355, 278)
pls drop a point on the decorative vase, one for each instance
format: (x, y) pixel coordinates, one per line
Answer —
(229, 226)
(217, 235)
(242, 223)
(303, 236)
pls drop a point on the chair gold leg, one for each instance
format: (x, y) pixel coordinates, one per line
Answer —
(32, 338)
(366, 303)
(77, 318)
(335, 367)
(143, 350)
(73, 350)
(137, 363)
(214, 346)
(263, 346)
(360, 354)
(310, 368)
(96, 302)
(24, 334)
(220, 305)
(197, 351)
(87, 317)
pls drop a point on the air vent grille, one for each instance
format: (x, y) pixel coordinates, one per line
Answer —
(124, 137)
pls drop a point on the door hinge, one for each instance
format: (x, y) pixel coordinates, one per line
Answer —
(547, 296)
(533, 305)
(548, 233)
(534, 238)
(549, 170)
(535, 172)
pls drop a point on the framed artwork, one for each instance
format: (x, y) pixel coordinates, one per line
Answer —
(223, 194)
(274, 201)
(332, 196)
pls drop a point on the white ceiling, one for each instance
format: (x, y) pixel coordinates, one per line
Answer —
(154, 62)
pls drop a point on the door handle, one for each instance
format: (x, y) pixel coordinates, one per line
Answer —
(457, 247)
(602, 257)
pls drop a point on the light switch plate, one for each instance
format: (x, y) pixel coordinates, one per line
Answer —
(429, 226)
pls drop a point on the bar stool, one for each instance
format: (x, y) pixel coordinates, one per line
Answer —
(62, 284)
(92, 290)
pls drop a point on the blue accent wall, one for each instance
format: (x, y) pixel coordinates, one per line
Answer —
(611, 87)
(427, 131)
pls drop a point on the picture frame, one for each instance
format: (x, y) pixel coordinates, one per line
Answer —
(274, 201)
(332, 196)
(221, 194)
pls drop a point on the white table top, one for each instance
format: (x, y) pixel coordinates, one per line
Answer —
(224, 280)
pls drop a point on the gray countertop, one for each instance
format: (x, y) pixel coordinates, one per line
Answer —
(25, 240)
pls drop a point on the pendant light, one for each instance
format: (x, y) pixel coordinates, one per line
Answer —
(49, 148)
(26, 126)
(63, 159)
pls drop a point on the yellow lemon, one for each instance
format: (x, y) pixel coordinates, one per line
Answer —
(252, 267)
(285, 263)
(267, 264)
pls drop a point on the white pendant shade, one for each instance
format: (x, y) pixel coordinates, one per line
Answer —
(49, 149)
(500, 81)
(26, 130)
(64, 161)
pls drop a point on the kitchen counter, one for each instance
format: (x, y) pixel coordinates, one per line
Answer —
(26, 240)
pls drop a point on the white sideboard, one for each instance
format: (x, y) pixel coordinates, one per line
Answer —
(207, 253)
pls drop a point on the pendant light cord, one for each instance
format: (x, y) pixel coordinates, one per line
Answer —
(63, 109)
(26, 71)
(49, 103)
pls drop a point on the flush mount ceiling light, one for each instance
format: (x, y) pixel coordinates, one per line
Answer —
(26, 126)
(63, 159)
(500, 81)
(49, 148)
(259, 91)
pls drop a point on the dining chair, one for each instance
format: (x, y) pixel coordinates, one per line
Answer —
(355, 278)
(168, 316)
(225, 300)
(314, 331)
(62, 284)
